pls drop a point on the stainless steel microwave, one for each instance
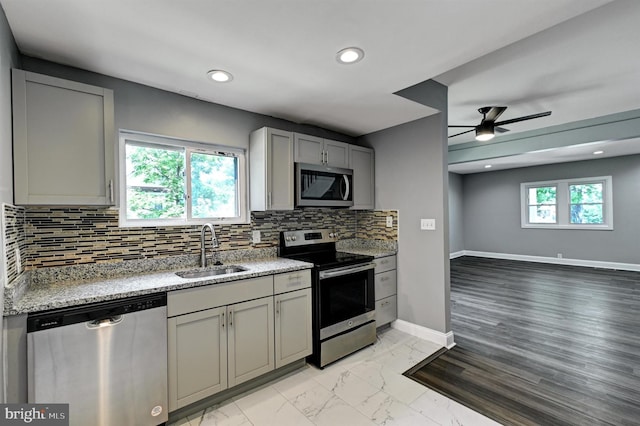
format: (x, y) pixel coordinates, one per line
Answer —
(322, 186)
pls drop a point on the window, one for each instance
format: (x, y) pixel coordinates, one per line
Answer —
(542, 204)
(584, 203)
(167, 181)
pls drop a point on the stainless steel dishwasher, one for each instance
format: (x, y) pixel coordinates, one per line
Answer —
(108, 360)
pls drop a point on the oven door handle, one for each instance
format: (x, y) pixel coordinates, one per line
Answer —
(346, 270)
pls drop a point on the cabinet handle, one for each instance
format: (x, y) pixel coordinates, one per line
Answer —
(384, 279)
(277, 307)
(321, 157)
(326, 160)
(230, 318)
(222, 320)
(294, 277)
(111, 190)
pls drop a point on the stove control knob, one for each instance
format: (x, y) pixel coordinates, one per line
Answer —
(294, 238)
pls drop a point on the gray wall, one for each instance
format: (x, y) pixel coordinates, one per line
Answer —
(145, 109)
(456, 211)
(411, 176)
(492, 213)
(8, 59)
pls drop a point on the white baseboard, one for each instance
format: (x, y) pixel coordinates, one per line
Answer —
(562, 261)
(442, 339)
(456, 254)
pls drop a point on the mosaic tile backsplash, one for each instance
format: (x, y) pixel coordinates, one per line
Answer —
(14, 238)
(71, 236)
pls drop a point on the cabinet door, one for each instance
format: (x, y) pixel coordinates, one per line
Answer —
(361, 160)
(63, 141)
(308, 149)
(271, 169)
(197, 356)
(336, 154)
(386, 310)
(250, 339)
(279, 170)
(293, 326)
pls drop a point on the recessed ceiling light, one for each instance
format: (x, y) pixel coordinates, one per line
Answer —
(598, 152)
(220, 76)
(350, 55)
(487, 166)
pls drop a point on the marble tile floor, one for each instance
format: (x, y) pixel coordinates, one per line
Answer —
(365, 388)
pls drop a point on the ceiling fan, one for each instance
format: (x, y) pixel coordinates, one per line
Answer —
(488, 127)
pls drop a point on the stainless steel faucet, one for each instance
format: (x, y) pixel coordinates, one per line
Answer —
(214, 243)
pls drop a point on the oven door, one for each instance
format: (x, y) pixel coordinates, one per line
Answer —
(323, 186)
(346, 298)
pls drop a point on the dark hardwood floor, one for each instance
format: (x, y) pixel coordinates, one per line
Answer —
(541, 344)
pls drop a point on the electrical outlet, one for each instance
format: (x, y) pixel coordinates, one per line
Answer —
(256, 237)
(428, 224)
(18, 261)
(389, 221)
(559, 255)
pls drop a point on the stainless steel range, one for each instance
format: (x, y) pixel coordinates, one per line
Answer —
(343, 294)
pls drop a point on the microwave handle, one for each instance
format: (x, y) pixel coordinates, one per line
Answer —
(345, 195)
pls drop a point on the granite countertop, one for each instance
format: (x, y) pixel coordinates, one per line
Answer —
(58, 293)
(375, 248)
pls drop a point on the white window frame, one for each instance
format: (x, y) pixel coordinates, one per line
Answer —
(188, 146)
(563, 204)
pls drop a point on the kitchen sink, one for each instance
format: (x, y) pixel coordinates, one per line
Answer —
(201, 273)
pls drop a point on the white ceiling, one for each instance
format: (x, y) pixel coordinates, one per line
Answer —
(529, 55)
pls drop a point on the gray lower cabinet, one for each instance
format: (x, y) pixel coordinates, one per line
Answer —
(63, 142)
(197, 356)
(293, 316)
(218, 339)
(386, 290)
(250, 339)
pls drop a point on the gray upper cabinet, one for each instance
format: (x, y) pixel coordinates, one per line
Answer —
(63, 142)
(314, 150)
(362, 161)
(271, 169)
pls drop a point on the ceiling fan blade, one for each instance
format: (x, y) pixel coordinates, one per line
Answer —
(500, 130)
(461, 126)
(493, 113)
(462, 133)
(526, 117)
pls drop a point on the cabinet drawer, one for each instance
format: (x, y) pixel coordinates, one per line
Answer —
(210, 296)
(386, 310)
(384, 264)
(385, 284)
(291, 281)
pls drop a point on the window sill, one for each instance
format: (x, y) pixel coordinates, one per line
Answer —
(572, 227)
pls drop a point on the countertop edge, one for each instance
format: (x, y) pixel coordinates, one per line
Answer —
(68, 294)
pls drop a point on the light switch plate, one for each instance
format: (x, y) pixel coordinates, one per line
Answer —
(389, 221)
(428, 224)
(256, 237)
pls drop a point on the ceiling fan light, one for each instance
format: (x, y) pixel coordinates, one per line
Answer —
(484, 132)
